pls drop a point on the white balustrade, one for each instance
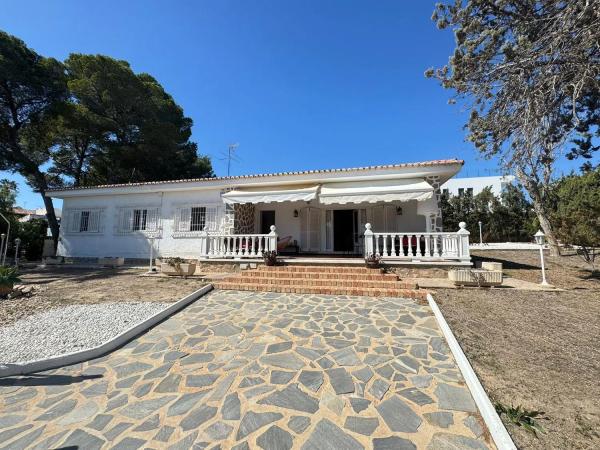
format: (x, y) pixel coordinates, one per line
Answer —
(435, 246)
(223, 245)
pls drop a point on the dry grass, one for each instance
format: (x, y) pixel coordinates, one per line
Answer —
(64, 286)
(540, 350)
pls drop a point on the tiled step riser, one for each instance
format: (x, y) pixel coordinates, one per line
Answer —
(321, 269)
(252, 274)
(301, 282)
(405, 293)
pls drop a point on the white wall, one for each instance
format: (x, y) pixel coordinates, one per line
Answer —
(133, 245)
(137, 245)
(497, 183)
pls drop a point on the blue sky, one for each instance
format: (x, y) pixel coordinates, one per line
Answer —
(298, 84)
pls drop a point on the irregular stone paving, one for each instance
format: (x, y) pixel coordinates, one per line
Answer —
(249, 370)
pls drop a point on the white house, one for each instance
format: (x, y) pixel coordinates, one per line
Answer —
(391, 210)
(474, 185)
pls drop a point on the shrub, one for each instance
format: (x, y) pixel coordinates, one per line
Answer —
(8, 277)
(373, 260)
(270, 257)
(576, 215)
(521, 417)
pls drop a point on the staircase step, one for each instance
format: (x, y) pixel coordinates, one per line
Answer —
(251, 274)
(310, 282)
(321, 269)
(370, 292)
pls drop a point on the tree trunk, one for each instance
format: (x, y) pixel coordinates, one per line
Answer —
(533, 188)
(51, 216)
(547, 228)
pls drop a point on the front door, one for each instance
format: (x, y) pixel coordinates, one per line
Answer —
(343, 230)
(267, 218)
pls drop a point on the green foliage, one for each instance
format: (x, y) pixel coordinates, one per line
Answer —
(270, 257)
(176, 263)
(529, 73)
(8, 276)
(8, 195)
(521, 417)
(576, 213)
(122, 127)
(32, 235)
(504, 219)
(32, 88)
(91, 120)
(373, 260)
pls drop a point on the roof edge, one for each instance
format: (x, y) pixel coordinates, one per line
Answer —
(439, 162)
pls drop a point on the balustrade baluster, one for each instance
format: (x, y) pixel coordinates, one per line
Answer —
(376, 236)
(427, 238)
(385, 239)
(444, 245)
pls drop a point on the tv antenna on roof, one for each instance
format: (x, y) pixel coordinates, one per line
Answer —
(231, 156)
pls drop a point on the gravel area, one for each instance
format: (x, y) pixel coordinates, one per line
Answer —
(70, 328)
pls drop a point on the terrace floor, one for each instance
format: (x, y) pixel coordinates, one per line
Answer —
(258, 370)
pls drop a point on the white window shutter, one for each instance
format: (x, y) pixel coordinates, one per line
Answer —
(390, 219)
(152, 219)
(184, 219)
(304, 244)
(94, 221)
(211, 219)
(73, 221)
(329, 230)
(315, 229)
(378, 224)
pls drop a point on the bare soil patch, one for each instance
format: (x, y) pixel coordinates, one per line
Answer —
(64, 286)
(540, 350)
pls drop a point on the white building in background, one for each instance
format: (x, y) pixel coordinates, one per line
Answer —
(474, 185)
(25, 215)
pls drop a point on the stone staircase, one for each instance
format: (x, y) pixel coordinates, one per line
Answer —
(334, 280)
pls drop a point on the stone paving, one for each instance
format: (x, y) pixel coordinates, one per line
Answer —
(247, 370)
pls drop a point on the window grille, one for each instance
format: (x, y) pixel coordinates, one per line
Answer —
(198, 219)
(137, 219)
(195, 219)
(83, 220)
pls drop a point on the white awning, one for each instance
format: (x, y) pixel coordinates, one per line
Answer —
(375, 191)
(271, 195)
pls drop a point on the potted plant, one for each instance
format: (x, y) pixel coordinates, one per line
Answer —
(177, 267)
(270, 258)
(8, 278)
(373, 261)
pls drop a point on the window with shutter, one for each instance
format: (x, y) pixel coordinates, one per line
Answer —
(184, 219)
(192, 220)
(83, 220)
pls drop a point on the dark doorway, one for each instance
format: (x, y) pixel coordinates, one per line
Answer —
(267, 218)
(343, 230)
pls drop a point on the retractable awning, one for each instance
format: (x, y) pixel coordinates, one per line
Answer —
(271, 195)
(375, 191)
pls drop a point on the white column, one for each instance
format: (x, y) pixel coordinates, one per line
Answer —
(273, 239)
(203, 242)
(463, 242)
(368, 240)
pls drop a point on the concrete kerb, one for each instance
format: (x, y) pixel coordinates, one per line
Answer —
(497, 430)
(56, 362)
